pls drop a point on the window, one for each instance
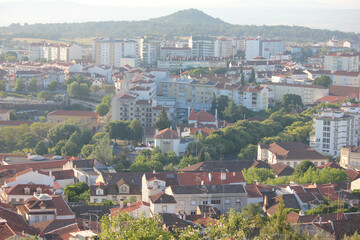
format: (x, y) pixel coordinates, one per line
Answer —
(215, 201)
(37, 219)
(193, 202)
(326, 134)
(114, 198)
(238, 200)
(326, 128)
(99, 192)
(182, 203)
(227, 201)
(193, 212)
(44, 218)
(205, 202)
(95, 200)
(124, 189)
(326, 145)
(164, 208)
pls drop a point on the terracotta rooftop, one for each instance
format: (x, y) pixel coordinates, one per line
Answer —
(201, 116)
(295, 151)
(162, 198)
(167, 133)
(332, 99)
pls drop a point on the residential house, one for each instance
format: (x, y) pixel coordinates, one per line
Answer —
(136, 209)
(44, 207)
(116, 187)
(223, 197)
(290, 154)
(22, 192)
(345, 78)
(162, 203)
(341, 62)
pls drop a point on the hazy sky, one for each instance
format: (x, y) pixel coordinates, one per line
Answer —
(312, 13)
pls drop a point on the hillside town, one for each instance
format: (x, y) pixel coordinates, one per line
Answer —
(187, 134)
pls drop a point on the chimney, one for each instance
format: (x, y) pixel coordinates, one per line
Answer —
(188, 111)
(50, 174)
(121, 203)
(210, 177)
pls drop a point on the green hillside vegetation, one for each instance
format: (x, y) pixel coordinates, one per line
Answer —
(182, 23)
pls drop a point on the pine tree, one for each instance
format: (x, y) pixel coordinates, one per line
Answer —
(163, 121)
(252, 78)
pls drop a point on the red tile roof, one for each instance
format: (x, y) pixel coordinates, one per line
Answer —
(63, 174)
(16, 222)
(352, 174)
(344, 73)
(14, 123)
(61, 206)
(63, 233)
(201, 116)
(36, 165)
(167, 133)
(344, 91)
(130, 208)
(74, 113)
(295, 151)
(253, 191)
(19, 189)
(331, 99)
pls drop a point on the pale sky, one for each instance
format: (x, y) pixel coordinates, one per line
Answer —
(331, 14)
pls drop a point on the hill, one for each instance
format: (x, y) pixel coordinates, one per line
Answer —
(182, 23)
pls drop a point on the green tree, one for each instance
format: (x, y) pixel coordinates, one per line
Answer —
(187, 161)
(133, 228)
(103, 151)
(223, 102)
(232, 112)
(252, 78)
(70, 149)
(163, 121)
(58, 147)
(74, 191)
(43, 95)
(291, 102)
(108, 89)
(118, 130)
(87, 150)
(214, 103)
(19, 85)
(248, 153)
(53, 85)
(303, 167)
(257, 174)
(33, 85)
(95, 89)
(137, 130)
(107, 100)
(324, 81)
(242, 78)
(61, 132)
(102, 109)
(2, 86)
(41, 148)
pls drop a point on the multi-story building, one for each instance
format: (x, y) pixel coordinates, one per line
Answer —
(308, 93)
(290, 154)
(202, 46)
(263, 47)
(270, 47)
(343, 78)
(198, 94)
(341, 62)
(350, 157)
(115, 52)
(54, 52)
(223, 48)
(126, 107)
(150, 52)
(174, 52)
(253, 48)
(87, 119)
(351, 45)
(28, 75)
(193, 62)
(333, 129)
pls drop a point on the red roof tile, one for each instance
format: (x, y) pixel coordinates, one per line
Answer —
(331, 99)
(202, 116)
(167, 133)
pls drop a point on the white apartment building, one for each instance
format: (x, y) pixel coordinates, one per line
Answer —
(149, 52)
(202, 46)
(173, 52)
(54, 52)
(308, 93)
(223, 48)
(341, 62)
(350, 79)
(272, 47)
(351, 45)
(115, 52)
(332, 130)
(263, 47)
(253, 48)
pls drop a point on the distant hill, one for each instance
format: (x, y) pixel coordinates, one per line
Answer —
(182, 23)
